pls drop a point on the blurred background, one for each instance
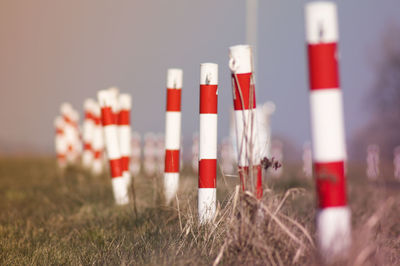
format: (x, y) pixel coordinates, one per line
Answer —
(56, 51)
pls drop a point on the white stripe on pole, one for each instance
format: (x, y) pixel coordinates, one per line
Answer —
(208, 136)
(207, 203)
(111, 142)
(333, 231)
(171, 185)
(328, 137)
(173, 120)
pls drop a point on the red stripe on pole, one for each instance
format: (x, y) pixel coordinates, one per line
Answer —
(259, 187)
(59, 131)
(61, 156)
(97, 120)
(107, 116)
(87, 146)
(124, 118)
(331, 185)
(115, 118)
(174, 100)
(125, 163)
(68, 120)
(244, 174)
(116, 168)
(208, 99)
(88, 115)
(323, 66)
(208, 173)
(244, 81)
(172, 161)
(97, 154)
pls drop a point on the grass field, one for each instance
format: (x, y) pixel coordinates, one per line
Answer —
(49, 219)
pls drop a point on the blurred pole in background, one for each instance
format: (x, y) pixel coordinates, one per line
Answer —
(327, 127)
(124, 134)
(373, 161)
(136, 153)
(251, 32)
(87, 134)
(396, 162)
(98, 141)
(108, 104)
(60, 142)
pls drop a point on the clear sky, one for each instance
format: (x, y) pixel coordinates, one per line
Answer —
(66, 50)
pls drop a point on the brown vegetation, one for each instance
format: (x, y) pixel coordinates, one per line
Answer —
(47, 218)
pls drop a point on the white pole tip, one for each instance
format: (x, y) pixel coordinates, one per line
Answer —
(240, 59)
(321, 22)
(174, 78)
(66, 108)
(88, 104)
(125, 101)
(209, 74)
(104, 98)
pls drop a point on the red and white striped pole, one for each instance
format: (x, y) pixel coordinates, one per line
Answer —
(78, 136)
(150, 154)
(124, 128)
(60, 142)
(172, 133)
(87, 135)
(195, 153)
(70, 131)
(264, 113)
(107, 102)
(329, 151)
(244, 102)
(160, 151)
(207, 200)
(136, 153)
(228, 161)
(114, 94)
(98, 141)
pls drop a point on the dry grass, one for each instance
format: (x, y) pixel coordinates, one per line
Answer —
(47, 218)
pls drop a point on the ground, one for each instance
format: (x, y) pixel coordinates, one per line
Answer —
(51, 218)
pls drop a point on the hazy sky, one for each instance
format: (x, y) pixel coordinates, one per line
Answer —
(66, 50)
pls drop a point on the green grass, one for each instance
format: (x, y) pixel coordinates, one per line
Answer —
(49, 219)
